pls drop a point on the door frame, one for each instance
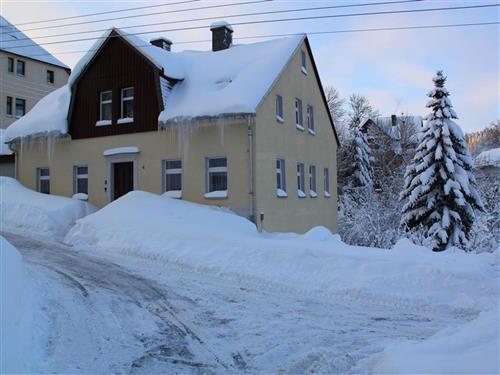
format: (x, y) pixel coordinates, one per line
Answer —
(121, 158)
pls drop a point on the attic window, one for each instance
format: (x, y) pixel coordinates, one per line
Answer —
(106, 107)
(303, 67)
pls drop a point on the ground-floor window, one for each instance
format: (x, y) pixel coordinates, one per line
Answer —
(216, 174)
(300, 180)
(312, 181)
(172, 175)
(326, 182)
(81, 179)
(280, 178)
(43, 180)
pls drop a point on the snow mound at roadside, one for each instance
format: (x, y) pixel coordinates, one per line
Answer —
(26, 211)
(16, 310)
(472, 348)
(149, 227)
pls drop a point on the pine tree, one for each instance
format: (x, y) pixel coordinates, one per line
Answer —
(440, 192)
(362, 168)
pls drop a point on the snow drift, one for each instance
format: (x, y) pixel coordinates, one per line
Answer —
(24, 210)
(16, 318)
(208, 239)
(469, 349)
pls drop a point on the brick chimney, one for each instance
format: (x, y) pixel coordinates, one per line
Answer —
(161, 42)
(222, 35)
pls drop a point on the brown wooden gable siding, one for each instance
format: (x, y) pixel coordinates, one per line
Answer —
(118, 65)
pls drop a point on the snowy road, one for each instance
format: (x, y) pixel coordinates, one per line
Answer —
(103, 317)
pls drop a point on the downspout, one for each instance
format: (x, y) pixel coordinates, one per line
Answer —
(251, 195)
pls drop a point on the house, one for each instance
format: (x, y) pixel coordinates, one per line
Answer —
(28, 73)
(488, 162)
(240, 126)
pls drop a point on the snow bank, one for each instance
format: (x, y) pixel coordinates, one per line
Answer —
(490, 158)
(472, 348)
(48, 116)
(208, 239)
(17, 304)
(24, 210)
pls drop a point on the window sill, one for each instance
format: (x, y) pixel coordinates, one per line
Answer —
(311, 131)
(125, 120)
(176, 194)
(299, 127)
(9, 116)
(301, 194)
(313, 194)
(103, 123)
(18, 117)
(81, 197)
(327, 194)
(218, 194)
(280, 193)
(303, 70)
(280, 119)
(21, 75)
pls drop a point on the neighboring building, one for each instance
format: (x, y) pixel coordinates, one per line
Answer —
(245, 126)
(488, 162)
(27, 74)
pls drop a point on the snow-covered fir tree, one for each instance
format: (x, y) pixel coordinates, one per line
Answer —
(362, 168)
(439, 193)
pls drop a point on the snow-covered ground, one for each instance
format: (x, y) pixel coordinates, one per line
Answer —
(23, 210)
(165, 285)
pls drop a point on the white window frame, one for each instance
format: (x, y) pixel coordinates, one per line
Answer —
(122, 100)
(312, 181)
(19, 63)
(299, 117)
(281, 178)
(40, 178)
(303, 62)
(301, 180)
(80, 176)
(208, 170)
(9, 59)
(102, 121)
(279, 109)
(310, 120)
(326, 182)
(172, 171)
(15, 107)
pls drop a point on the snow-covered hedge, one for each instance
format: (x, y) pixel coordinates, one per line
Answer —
(16, 318)
(207, 239)
(26, 211)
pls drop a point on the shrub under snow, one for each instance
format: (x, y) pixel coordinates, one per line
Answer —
(24, 210)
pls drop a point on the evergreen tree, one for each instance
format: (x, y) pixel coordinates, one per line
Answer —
(362, 168)
(439, 190)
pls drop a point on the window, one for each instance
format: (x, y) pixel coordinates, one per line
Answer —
(127, 106)
(21, 68)
(279, 108)
(303, 67)
(300, 180)
(10, 64)
(50, 77)
(310, 119)
(81, 179)
(216, 174)
(20, 107)
(43, 180)
(173, 176)
(326, 182)
(8, 106)
(280, 178)
(106, 108)
(312, 181)
(298, 114)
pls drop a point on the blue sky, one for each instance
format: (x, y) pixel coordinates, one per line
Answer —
(392, 68)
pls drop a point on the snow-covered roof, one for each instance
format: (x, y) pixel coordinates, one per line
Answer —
(490, 158)
(15, 41)
(208, 84)
(4, 148)
(393, 129)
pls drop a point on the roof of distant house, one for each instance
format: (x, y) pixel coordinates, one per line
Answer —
(490, 158)
(15, 41)
(233, 81)
(390, 125)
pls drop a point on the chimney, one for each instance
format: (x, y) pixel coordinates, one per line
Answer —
(161, 42)
(222, 35)
(394, 120)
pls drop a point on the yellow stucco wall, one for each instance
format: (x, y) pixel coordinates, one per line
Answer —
(284, 140)
(228, 140)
